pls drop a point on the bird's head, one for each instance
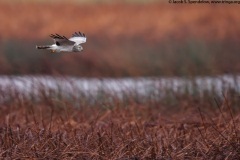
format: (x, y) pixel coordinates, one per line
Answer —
(77, 48)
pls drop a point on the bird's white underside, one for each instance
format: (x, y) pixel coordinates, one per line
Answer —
(56, 48)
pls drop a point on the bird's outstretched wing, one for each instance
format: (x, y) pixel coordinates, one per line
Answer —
(61, 40)
(78, 38)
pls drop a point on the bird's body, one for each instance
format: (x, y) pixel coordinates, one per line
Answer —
(63, 44)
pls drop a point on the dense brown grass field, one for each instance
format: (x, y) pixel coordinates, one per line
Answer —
(54, 128)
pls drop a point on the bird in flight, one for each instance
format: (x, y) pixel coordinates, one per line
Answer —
(63, 44)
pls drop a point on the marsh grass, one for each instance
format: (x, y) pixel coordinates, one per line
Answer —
(58, 127)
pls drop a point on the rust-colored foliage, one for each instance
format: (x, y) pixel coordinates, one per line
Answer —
(55, 129)
(152, 21)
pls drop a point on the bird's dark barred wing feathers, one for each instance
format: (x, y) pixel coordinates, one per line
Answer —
(61, 40)
(78, 34)
(76, 39)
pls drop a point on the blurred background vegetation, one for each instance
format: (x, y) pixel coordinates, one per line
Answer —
(125, 38)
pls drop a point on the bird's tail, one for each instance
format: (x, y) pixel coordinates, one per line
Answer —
(43, 47)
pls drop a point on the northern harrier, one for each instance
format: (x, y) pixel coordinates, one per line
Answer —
(63, 44)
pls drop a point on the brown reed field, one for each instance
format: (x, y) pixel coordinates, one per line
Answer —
(66, 128)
